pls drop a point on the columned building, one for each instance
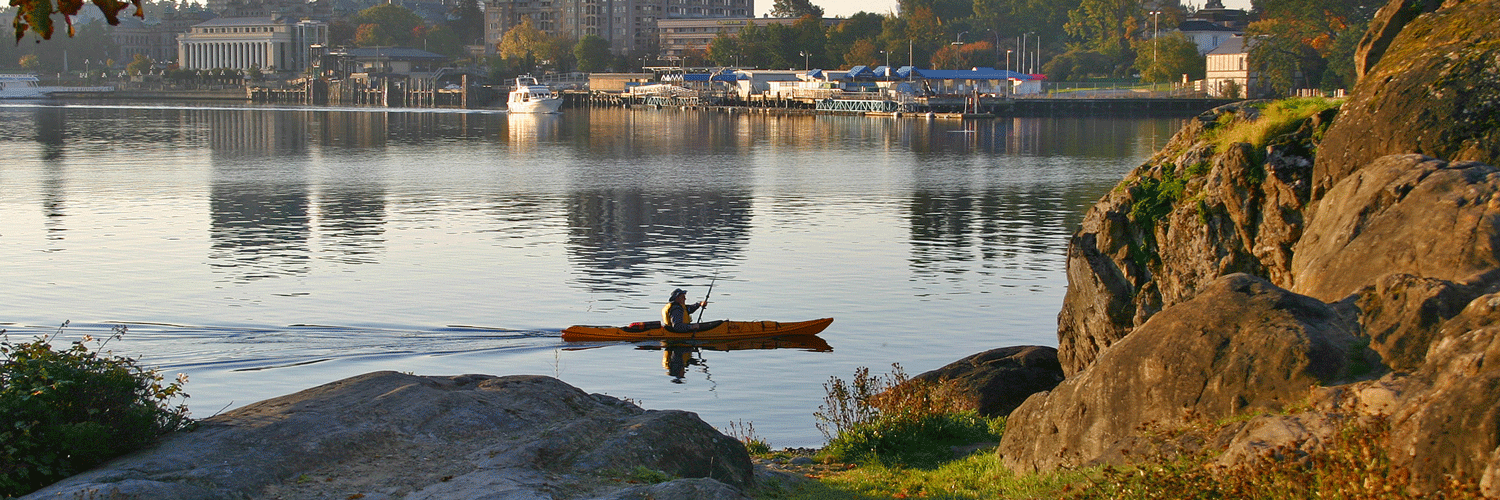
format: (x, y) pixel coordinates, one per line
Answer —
(267, 43)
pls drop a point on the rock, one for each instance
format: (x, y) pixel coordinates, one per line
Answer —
(1237, 213)
(1240, 346)
(1406, 214)
(1433, 91)
(1402, 315)
(996, 381)
(1388, 23)
(405, 436)
(1450, 425)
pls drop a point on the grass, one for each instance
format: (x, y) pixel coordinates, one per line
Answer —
(975, 477)
(1276, 118)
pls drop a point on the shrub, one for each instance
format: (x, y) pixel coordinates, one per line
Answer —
(65, 411)
(892, 420)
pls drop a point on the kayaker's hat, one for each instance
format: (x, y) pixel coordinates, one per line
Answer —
(677, 293)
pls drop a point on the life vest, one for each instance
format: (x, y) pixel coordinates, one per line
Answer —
(666, 316)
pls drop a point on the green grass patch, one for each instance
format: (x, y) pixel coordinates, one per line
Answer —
(1276, 118)
(980, 476)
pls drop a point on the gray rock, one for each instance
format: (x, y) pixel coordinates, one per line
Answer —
(996, 381)
(1405, 214)
(405, 436)
(1242, 345)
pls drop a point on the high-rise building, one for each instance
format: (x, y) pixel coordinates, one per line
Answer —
(630, 26)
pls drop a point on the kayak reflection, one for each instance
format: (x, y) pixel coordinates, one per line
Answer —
(678, 355)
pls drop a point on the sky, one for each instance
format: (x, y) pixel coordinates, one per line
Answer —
(846, 8)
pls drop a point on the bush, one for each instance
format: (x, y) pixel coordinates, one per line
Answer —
(65, 411)
(894, 421)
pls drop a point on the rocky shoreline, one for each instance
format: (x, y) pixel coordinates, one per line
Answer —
(1230, 299)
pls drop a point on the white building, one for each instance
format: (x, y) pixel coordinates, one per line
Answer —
(267, 43)
(1229, 69)
(1207, 35)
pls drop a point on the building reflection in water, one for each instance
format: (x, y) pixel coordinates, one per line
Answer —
(259, 201)
(51, 130)
(620, 238)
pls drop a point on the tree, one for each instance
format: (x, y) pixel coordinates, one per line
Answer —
(140, 64)
(386, 24)
(795, 9)
(468, 22)
(592, 53)
(860, 26)
(1296, 41)
(1106, 26)
(35, 16)
(442, 40)
(1078, 64)
(863, 52)
(724, 50)
(1167, 58)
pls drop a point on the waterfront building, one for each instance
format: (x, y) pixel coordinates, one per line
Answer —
(267, 43)
(1229, 73)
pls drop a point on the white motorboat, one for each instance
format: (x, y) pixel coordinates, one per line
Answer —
(530, 96)
(21, 87)
(29, 87)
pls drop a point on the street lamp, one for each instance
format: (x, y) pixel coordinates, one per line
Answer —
(805, 65)
(960, 39)
(1007, 59)
(1155, 32)
(887, 63)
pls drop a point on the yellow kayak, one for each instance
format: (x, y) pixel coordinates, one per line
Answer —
(712, 330)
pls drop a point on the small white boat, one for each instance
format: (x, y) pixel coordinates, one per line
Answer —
(530, 96)
(20, 87)
(29, 87)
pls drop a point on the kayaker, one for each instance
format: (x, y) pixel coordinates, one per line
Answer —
(678, 314)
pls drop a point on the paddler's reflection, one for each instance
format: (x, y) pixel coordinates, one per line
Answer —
(676, 360)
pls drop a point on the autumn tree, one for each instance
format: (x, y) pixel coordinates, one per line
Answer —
(139, 64)
(1308, 43)
(529, 45)
(841, 38)
(35, 16)
(863, 52)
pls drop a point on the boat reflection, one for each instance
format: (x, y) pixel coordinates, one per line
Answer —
(525, 129)
(678, 355)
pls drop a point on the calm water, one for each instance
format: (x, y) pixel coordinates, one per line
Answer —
(266, 250)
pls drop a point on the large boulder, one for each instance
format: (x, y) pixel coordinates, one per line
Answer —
(387, 434)
(996, 381)
(1241, 345)
(1191, 214)
(1405, 214)
(1432, 90)
(1450, 426)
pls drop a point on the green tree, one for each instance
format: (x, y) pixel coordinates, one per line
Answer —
(1078, 64)
(863, 52)
(1106, 26)
(386, 24)
(592, 53)
(442, 40)
(1167, 58)
(724, 50)
(468, 22)
(860, 26)
(795, 9)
